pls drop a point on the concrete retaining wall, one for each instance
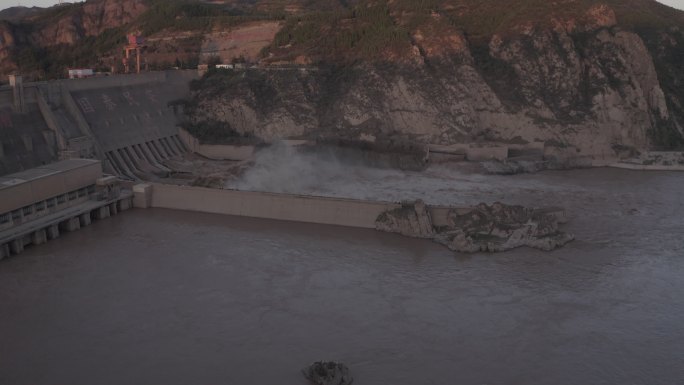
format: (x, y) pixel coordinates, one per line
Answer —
(215, 151)
(329, 211)
(643, 167)
(226, 152)
(114, 81)
(487, 153)
(471, 152)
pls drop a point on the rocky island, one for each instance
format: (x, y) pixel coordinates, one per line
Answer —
(484, 228)
(192, 188)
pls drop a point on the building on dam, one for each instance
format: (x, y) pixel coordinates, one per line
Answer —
(65, 145)
(39, 203)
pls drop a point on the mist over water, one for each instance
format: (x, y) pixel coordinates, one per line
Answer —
(285, 169)
(155, 296)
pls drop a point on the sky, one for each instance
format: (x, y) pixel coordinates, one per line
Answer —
(45, 3)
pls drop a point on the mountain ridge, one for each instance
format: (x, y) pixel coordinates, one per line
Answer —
(591, 76)
(312, 30)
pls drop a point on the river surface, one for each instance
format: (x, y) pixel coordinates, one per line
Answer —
(168, 297)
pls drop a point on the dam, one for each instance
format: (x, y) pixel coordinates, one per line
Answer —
(211, 286)
(130, 124)
(124, 121)
(134, 125)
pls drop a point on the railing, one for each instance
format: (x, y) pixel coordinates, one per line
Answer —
(45, 207)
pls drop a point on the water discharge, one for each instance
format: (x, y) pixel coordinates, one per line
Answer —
(170, 297)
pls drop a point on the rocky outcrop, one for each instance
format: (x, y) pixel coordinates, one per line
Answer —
(657, 160)
(411, 220)
(93, 18)
(8, 43)
(74, 23)
(591, 91)
(101, 15)
(579, 76)
(500, 227)
(328, 373)
(40, 43)
(485, 228)
(574, 79)
(240, 43)
(66, 30)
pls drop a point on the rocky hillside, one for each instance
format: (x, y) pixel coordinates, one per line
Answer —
(43, 43)
(18, 13)
(588, 77)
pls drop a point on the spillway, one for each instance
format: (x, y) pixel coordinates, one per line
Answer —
(123, 120)
(134, 125)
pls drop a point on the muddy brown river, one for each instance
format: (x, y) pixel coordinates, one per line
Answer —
(168, 297)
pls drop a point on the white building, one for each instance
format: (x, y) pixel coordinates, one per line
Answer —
(78, 73)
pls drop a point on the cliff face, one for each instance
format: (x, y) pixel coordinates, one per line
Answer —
(587, 77)
(585, 86)
(90, 19)
(8, 43)
(99, 16)
(26, 40)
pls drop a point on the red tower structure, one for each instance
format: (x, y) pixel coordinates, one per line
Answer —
(135, 44)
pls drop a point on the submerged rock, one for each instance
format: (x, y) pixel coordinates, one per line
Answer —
(490, 228)
(328, 373)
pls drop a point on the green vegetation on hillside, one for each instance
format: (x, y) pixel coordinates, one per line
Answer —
(369, 28)
(483, 18)
(361, 32)
(49, 15)
(189, 15)
(53, 62)
(332, 30)
(344, 32)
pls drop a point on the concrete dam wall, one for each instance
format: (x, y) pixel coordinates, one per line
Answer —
(25, 140)
(123, 120)
(297, 208)
(133, 125)
(286, 207)
(130, 119)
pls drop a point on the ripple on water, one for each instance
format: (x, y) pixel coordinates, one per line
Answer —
(168, 297)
